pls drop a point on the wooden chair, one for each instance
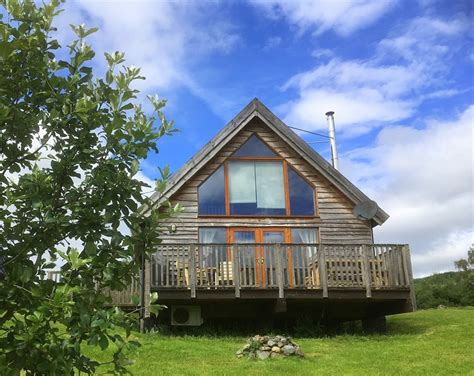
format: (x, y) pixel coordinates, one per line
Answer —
(181, 272)
(224, 274)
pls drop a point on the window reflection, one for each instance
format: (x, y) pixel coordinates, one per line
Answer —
(301, 194)
(254, 147)
(211, 194)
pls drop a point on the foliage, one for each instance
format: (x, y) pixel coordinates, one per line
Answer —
(466, 264)
(70, 151)
(426, 342)
(448, 289)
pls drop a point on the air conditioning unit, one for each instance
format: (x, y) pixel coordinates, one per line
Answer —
(186, 316)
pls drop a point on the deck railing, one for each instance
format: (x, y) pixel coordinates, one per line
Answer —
(281, 266)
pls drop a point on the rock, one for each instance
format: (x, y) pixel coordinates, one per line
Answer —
(263, 347)
(288, 350)
(276, 355)
(262, 355)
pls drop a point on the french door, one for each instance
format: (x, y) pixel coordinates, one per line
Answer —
(260, 256)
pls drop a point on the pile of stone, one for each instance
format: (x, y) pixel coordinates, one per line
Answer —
(264, 347)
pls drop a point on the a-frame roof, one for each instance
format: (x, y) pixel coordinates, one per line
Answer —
(257, 109)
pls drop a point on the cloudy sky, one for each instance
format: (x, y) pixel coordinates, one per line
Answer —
(398, 74)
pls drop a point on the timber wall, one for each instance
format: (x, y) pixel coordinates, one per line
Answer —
(335, 220)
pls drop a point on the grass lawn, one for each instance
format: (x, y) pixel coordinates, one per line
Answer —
(430, 342)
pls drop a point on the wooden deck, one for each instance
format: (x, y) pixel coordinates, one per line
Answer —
(304, 274)
(281, 267)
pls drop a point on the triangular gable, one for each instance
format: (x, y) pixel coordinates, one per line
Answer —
(256, 109)
(254, 147)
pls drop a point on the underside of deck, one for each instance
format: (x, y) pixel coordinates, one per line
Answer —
(342, 304)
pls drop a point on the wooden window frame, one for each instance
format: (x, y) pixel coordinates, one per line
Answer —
(285, 183)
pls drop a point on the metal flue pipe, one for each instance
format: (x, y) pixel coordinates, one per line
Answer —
(332, 139)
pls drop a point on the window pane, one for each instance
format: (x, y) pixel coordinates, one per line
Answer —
(301, 194)
(247, 253)
(256, 188)
(242, 182)
(270, 188)
(254, 147)
(303, 255)
(212, 235)
(213, 255)
(304, 235)
(212, 195)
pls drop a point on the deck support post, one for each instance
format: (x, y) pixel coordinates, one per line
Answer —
(409, 274)
(366, 270)
(236, 269)
(281, 290)
(192, 270)
(323, 275)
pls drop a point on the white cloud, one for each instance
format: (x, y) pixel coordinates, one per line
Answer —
(320, 53)
(424, 38)
(362, 94)
(424, 179)
(165, 39)
(272, 42)
(406, 69)
(318, 16)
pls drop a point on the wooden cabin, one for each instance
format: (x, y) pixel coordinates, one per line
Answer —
(268, 228)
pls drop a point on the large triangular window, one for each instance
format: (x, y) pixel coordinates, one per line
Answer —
(255, 181)
(254, 147)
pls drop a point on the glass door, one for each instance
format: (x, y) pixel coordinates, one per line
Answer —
(247, 255)
(268, 267)
(258, 263)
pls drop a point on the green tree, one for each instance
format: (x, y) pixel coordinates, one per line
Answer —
(467, 263)
(70, 151)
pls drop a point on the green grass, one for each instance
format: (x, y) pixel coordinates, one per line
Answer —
(430, 342)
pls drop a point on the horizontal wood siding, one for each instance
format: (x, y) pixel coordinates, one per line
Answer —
(336, 222)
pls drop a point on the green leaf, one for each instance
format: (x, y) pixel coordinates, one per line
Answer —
(90, 248)
(135, 166)
(135, 300)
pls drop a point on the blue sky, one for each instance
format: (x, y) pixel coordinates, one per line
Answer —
(398, 74)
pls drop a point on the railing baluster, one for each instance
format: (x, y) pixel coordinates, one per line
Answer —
(236, 269)
(192, 270)
(323, 277)
(366, 271)
(281, 290)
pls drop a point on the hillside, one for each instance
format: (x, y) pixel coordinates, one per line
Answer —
(450, 289)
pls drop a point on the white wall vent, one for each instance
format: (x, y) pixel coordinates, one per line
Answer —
(186, 315)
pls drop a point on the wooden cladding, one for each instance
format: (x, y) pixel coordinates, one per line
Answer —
(334, 215)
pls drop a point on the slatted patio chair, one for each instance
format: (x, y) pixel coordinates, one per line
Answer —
(224, 274)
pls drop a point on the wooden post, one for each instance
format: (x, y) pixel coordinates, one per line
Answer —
(366, 270)
(192, 270)
(281, 290)
(409, 274)
(323, 276)
(236, 269)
